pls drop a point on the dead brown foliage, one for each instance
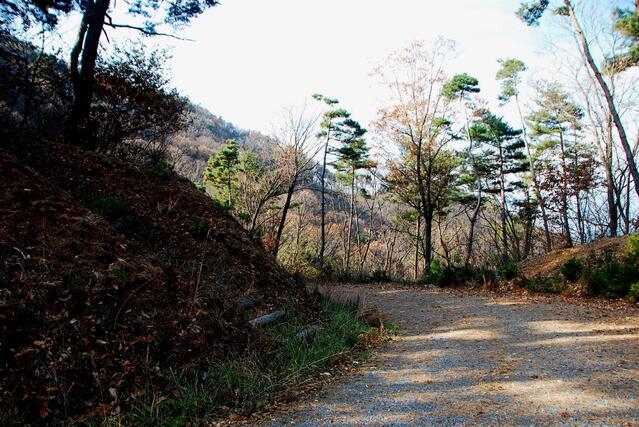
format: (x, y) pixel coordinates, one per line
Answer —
(93, 307)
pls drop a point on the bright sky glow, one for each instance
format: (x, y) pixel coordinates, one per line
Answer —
(250, 59)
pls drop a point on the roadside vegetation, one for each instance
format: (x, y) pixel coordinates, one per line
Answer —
(303, 349)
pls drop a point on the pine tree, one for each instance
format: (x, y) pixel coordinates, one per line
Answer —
(460, 87)
(329, 129)
(531, 12)
(627, 24)
(221, 171)
(555, 117)
(352, 156)
(509, 76)
(502, 158)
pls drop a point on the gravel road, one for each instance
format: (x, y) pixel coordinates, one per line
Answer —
(482, 360)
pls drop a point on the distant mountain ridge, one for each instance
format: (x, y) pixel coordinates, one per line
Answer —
(205, 135)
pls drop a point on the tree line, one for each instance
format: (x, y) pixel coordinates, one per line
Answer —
(458, 185)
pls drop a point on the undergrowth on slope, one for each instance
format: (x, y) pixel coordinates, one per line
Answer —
(109, 207)
(249, 382)
(603, 275)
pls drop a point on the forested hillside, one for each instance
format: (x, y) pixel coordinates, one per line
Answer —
(204, 135)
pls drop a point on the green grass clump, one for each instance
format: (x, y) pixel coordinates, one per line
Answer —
(199, 227)
(248, 382)
(633, 294)
(508, 270)
(121, 273)
(162, 169)
(111, 208)
(549, 285)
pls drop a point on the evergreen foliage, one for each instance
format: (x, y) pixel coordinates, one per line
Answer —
(221, 171)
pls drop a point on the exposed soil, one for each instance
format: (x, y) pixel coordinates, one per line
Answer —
(469, 359)
(549, 264)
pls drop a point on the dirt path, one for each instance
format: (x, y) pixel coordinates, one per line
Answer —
(480, 360)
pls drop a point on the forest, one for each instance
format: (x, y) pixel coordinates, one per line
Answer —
(527, 183)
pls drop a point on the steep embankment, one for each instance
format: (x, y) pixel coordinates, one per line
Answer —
(110, 275)
(549, 264)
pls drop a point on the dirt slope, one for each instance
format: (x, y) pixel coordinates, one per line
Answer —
(550, 263)
(92, 305)
(486, 361)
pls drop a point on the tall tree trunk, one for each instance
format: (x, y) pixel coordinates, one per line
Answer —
(428, 219)
(473, 218)
(535, 181)
(564, 192)
(322, 247)
(418, 228)
(627, 223)
(356, 218)
(580, 217)
(613, 218)
(350, 225)
(580, 220)
(86, 49)
(613, 215)
(428, 235)
(528, 230)
(425, 202)
(285, 208)
(471, 230)
(371, 224)
(585, 50)
(502, 197)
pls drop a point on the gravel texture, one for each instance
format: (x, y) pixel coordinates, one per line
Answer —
(485, 360)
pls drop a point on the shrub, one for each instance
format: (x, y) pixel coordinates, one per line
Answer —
(450, 275)
(631, 251)
(121, 273)
(200, 187)
(486, 276)
(612, 279)
(380, 276)
(199, 227)
(464, 273)
(571, 270)
(435, 275)
(551, 285)
(162, 169)
(508, 270)
(633, 293)
(109, 207)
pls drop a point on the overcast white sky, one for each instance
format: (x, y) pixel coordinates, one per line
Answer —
(252, 58)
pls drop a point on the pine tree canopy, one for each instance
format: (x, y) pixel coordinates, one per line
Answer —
(459, 85)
